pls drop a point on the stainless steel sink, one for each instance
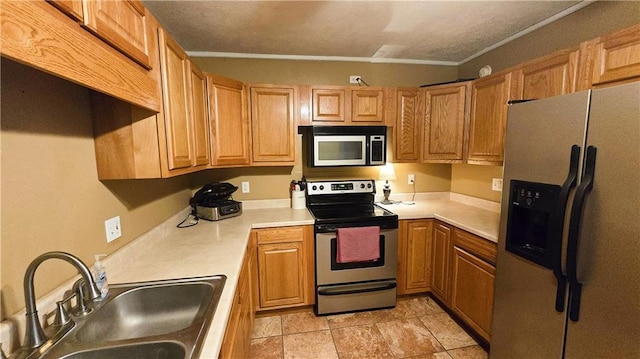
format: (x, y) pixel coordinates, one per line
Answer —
(148, 311)
(161, 319)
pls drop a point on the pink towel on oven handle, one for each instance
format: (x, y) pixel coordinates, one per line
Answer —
(358, 244)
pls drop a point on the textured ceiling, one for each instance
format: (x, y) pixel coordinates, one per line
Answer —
(444, 32)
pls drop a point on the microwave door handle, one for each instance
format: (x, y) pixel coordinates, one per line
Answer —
(558, 224)
(575, 287)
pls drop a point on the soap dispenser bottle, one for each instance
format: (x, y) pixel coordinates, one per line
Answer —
(100, 275)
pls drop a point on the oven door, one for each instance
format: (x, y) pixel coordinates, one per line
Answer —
(333, 150)
(329, 272)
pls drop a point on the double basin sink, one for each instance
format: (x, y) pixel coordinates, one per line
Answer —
(162, 319)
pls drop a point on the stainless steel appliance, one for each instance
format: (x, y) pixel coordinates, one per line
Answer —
(213, 202)
(345, 145)
(568, 269)
(346, 287)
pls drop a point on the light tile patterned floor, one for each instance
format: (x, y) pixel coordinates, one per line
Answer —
(416, 328)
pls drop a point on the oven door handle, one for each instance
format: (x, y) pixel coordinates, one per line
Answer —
(361, 289)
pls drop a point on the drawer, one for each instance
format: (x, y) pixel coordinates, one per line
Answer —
(480, 247)
(278, 235)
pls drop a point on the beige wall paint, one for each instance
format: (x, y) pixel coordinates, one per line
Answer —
(51, 197)
(597, 19)
(325, 72)
(473, 180)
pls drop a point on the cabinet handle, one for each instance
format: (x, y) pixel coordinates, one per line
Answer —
(558, 224)
(575, 287)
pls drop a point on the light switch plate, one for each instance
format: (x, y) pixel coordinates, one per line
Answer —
(245, 187)
(112, 228)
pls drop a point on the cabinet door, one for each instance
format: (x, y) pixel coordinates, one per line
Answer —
(199, 115)
(367, 105)
(273, 126)
(173, 61)
(72, 8)
(617, 57)
(237, 338)
(549, 76)
(415, 251)
(472, 291)
(490, 96)
(229, 123)
(122, 23)
(440, 281)
(328, 104)
(407, 128)
(281, 274)
(445, 120)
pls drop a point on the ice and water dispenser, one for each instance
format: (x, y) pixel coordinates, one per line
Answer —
(534, 224)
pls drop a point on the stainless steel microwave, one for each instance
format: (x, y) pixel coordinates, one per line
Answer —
(345, 145)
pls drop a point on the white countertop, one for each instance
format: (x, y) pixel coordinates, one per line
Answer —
(214, 248)
(479, 221)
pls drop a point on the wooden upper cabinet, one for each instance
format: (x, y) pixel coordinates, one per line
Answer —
(199, 115)
(122, 23)
(73, 8)
(346, 105)
(489, 100)
(406, 133)
(175, 73)
(367, 105)
(273, 124)
(229, 122)
(549, 76)
(615, 57)
(445, 121)
(328, 104)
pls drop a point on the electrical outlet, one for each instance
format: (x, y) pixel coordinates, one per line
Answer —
(245, 187)
(112, 228)
(496, 184)
(411, 178)
(353, 79)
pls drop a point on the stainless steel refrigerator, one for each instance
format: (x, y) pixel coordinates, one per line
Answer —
(568, 268)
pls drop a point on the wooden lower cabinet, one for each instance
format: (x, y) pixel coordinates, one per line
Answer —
(472, 291)
(414, 256)
(440, 281)
(237, 338)
(463, 271)
(472, 281)
(285, 268)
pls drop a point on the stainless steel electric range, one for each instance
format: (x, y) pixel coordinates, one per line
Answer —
(353, 285)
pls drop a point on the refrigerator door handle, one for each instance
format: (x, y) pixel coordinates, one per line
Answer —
(558, 224)
(575, 287)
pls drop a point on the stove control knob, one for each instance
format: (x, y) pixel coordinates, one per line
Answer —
(314, 187)
(369, 185)
(321, 187)
(362, 185)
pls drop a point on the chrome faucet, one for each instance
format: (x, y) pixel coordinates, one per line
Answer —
(35, 336)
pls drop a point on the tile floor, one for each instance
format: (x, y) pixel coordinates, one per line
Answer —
(416, 328)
